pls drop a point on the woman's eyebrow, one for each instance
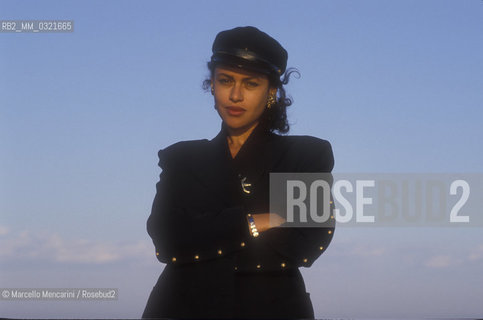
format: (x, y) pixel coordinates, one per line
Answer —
(246, 78)
(224, 74)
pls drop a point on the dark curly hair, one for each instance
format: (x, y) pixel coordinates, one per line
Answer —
(274, 118)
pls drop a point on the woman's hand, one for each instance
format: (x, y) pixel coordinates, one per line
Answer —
(265, 221)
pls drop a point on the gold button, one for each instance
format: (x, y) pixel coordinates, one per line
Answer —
(321, 248)
(258, 266)
(173, 259)
(236, 268)
(283, 264)
(330, 231)
(305, 260)
(219, 251)
(157, 253)
(242, 244)
(197, 257)
(331, 202)
(332, 217)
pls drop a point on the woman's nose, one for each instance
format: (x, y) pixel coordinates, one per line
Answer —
(236, 93)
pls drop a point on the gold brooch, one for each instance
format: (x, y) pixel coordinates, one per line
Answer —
(244, 185)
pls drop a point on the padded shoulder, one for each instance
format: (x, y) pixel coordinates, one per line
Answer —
(180, 152)
(306, 141)
(316, 152)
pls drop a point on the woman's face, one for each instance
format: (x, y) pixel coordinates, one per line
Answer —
(240, 96)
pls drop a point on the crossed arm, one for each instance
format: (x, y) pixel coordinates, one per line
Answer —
(183, 233)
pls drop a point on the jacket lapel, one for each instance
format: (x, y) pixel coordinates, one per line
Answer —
(258, 154)
(218, 171)
(214, 169)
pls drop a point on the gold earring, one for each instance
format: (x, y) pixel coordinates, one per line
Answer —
(212, 90)
(270, 102)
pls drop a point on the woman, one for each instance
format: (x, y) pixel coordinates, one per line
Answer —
(226, 255)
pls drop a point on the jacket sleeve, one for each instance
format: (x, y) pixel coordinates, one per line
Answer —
(291, 247)
(184, 232)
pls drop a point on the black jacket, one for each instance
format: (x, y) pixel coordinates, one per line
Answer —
(199, 228)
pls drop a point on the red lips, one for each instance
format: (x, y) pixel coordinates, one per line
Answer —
(235, 111)
(235, 108)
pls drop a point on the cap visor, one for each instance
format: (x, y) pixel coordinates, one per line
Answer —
(240, 63)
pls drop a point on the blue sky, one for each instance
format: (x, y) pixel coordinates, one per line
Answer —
(395, 86)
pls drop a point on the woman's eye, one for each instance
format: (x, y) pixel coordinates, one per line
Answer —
(252, 84)
(223, 81)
